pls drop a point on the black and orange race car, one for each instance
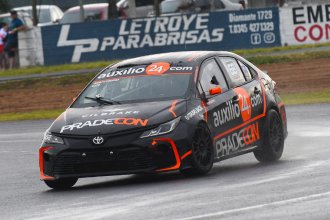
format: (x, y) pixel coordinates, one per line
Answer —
(165, 112)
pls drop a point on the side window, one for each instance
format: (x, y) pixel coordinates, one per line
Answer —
(253, 72)
(218, 4)
(234, 71)
(211, 76)
(143, 3)
(246, 71)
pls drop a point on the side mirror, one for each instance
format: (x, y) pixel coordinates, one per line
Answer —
(215, 90)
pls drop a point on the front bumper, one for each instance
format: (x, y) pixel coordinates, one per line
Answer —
(126, 154)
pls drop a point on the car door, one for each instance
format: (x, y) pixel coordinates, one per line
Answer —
(245, 133)
(222, 108)
(143, 7)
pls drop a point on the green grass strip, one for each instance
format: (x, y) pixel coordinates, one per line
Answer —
(306, 98)
(277, 49)
(32, 115)
(57, 68)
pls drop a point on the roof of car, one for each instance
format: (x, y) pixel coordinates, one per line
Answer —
(90, 6)
(30, 7)
(173, 57)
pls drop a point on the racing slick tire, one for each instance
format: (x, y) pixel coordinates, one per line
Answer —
(273, 142)
(202, 152)
(64, 183)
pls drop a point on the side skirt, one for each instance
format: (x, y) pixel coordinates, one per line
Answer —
(235, 154)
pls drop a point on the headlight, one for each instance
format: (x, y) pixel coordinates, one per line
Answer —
(162, 129)
(51, 139)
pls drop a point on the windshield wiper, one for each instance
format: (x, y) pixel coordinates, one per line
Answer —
(102, 100)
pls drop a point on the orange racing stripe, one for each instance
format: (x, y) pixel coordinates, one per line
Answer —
(186, 154)
(172, 108)
(41, 164)
(176, 154)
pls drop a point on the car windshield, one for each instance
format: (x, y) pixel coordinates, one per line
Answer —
(74, 16)
(42, 13)
(137, 84)
(70, 17)
(170, 6)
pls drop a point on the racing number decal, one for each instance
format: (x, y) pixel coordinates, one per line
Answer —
(244, 103)
(157, 68)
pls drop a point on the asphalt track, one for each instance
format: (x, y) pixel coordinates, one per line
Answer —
(296, 187)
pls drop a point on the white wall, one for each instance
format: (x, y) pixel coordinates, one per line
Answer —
(30, 47)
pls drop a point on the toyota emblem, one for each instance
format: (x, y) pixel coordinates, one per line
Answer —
(98, 140)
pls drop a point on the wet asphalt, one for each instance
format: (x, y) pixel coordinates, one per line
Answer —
(296, 187)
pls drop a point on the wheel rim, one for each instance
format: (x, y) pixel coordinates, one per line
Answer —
(276, 134)
(201, 148)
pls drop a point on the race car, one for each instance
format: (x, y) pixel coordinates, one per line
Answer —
(165, 112)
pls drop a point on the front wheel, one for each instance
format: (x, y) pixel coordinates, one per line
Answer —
(273, 142)
(202, 152)
(64, 183)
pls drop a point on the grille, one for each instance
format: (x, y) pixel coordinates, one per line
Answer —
(99, 161)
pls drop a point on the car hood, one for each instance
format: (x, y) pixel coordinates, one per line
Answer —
(108, 119)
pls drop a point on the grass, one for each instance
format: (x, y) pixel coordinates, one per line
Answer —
(288, 99)
(33, 115)
(307, 97)
(58, 68)
(34, 83)
(276, 49)
(258, 59)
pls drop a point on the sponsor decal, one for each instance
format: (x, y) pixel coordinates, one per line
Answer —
(238, 140)
(153, 69)
(244, 103)
(232, 110)
(100, 122)
(114, 73)
(306, 24)
(194, 112)
(157, 68)
(146, 32)
(110, 112)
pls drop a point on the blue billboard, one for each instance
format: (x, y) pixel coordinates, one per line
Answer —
(118, 39)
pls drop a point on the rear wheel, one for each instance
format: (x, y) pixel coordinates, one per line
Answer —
(64, 183)
(273, 143)
(202, 152)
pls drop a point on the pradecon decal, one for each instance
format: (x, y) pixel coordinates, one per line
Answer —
(112, 121)
(238, 140)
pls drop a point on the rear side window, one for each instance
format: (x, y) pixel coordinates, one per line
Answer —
(246, 71)
(144, 3)
(234, 71)
(211, 76)
(218, 4)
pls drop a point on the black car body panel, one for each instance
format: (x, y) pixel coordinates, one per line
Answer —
(97, 137)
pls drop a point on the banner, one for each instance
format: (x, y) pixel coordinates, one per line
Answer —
(305, 24)
(120, 39)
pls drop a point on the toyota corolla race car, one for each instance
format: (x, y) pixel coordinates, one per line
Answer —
(173, 111)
